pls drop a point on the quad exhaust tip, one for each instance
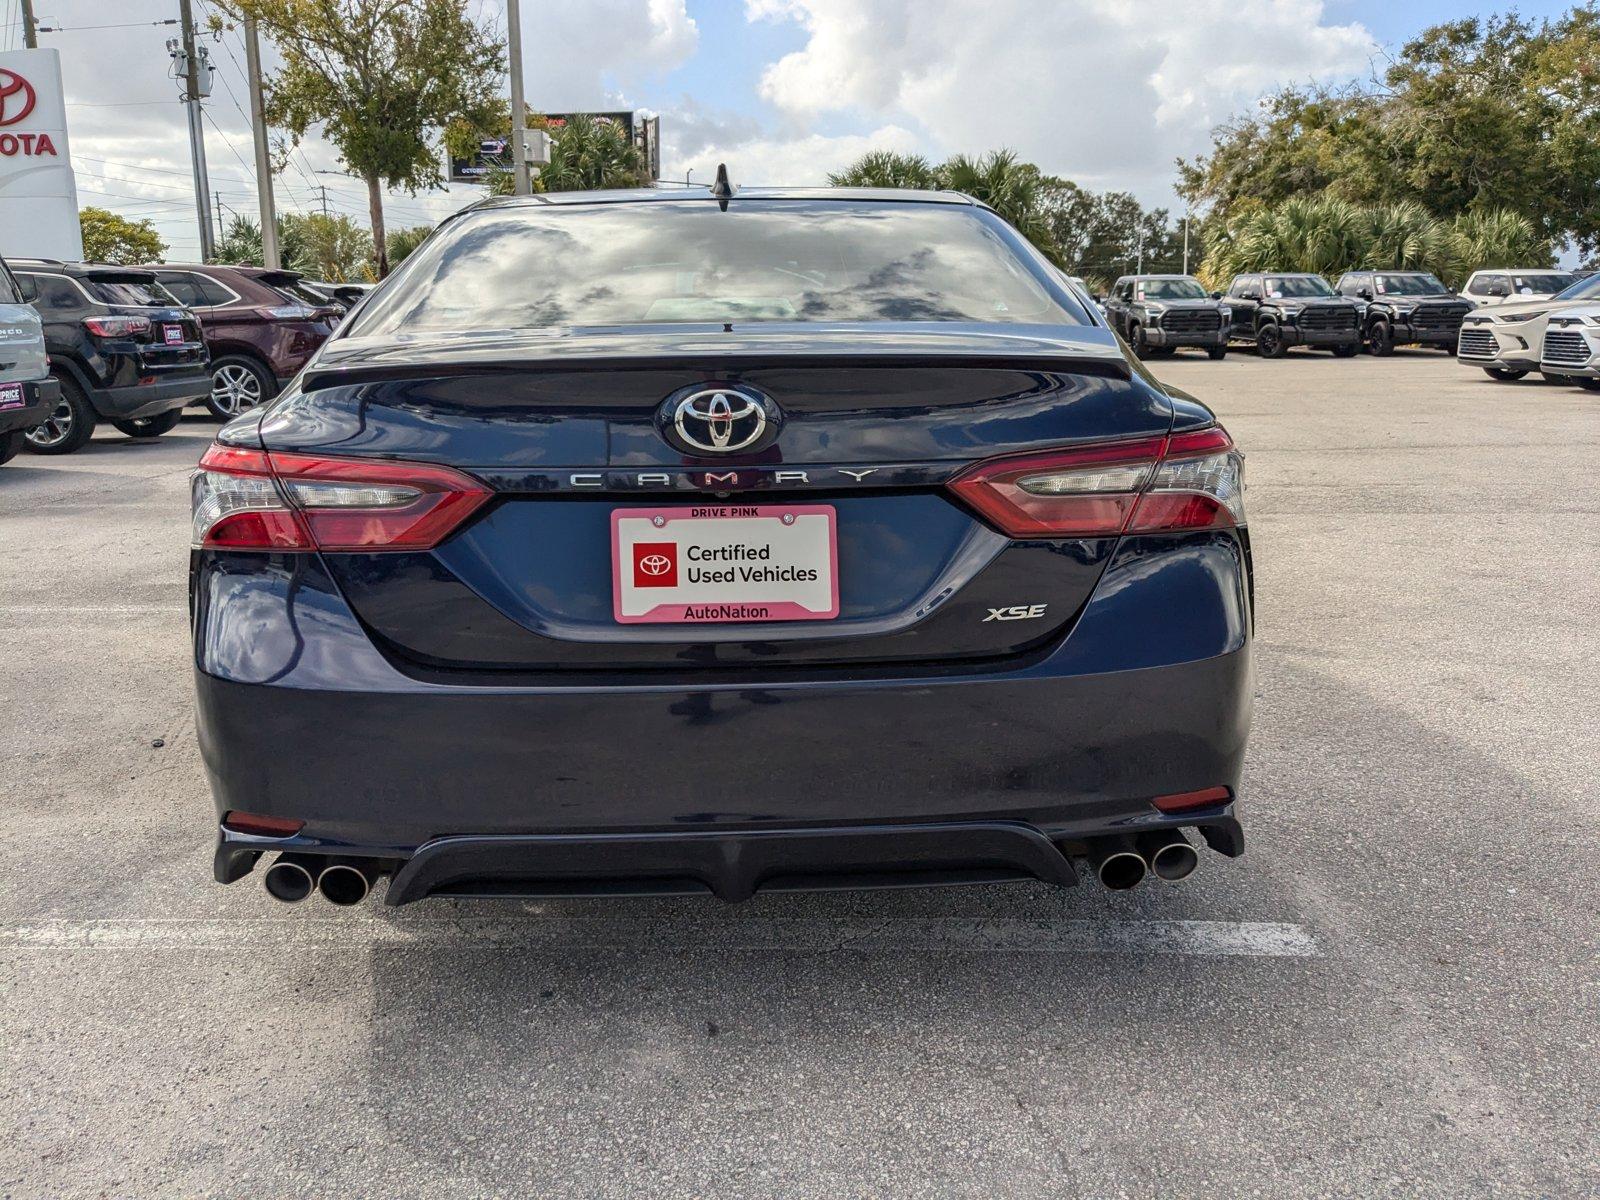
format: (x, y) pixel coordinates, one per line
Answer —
(292, 878)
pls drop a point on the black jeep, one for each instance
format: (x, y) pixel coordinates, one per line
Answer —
(1155, 314)
(1406, 308)
(121, 347)
(1274, 312)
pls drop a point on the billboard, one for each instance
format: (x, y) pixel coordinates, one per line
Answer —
(495, 154)
(38, 193)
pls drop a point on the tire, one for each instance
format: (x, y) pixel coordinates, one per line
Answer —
(69, 427)
(1380, 339)
(1216, 353)
(11, 445)
(1136, 342)
(238, 384)
(151, 427)
(1349, 351)
(1503, 373)
(1269, 342)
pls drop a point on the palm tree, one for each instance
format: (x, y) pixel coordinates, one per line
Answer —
(887, 169)
(1405, 237)
(1013, 188)
(1495, 238)
(586, 155)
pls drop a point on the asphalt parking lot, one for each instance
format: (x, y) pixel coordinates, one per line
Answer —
(1393, 994)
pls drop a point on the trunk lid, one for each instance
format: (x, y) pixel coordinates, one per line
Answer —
(567, 427)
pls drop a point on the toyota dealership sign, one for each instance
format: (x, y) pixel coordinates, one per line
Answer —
(38, 196)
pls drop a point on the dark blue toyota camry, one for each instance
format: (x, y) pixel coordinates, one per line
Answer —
(652, 542)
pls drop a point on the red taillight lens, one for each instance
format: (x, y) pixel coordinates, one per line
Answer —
(252, 500)
(260, 826)
(1186, 481)
(117, 327)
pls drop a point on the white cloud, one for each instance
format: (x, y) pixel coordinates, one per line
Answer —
(1104, 91)
(578, 53)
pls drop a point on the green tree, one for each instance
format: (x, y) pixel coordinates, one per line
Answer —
(1497, 238)
(334, 248)
(1472, 115)
(379, 76)
(588, 154)
(108, 238)
(403, 241)
(887, 169)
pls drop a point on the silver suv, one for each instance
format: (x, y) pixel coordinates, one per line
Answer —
(1507, 340)
(27, 393)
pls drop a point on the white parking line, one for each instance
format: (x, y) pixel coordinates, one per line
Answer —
(1212, 939)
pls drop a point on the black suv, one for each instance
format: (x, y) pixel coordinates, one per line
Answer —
(122, 348)
(1278, 311)
(1155, 314)
(1406, 308)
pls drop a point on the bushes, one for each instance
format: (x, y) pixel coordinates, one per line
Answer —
(1328, 236)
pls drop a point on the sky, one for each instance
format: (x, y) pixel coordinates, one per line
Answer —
(1104, 92)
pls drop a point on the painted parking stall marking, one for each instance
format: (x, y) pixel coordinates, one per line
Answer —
(822, 935)
(722, 563)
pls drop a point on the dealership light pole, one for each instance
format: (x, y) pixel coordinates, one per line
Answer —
(258, 129)
(30, 26)
(519, 117)
(196, 76)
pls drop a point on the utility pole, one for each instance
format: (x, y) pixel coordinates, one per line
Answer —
(1186, 240)
(196, 75)
(30, 26)
(519, 116)
(258, 129)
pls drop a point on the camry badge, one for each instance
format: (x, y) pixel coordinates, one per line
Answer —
(720, 420)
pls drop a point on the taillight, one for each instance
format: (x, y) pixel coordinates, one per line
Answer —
(117, 327)
(253, 500)
(1185, 481)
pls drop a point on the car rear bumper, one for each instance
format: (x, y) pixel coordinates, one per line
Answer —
(649, 780)
(150, 399)
(39, 396)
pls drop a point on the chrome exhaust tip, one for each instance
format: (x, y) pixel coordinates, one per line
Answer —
(346, 882)
(1169, 854)
(1118, 865)
(291, 879)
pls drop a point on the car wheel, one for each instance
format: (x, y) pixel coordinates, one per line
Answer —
(1380, 339)
(1216, 353)
(238, 384)
(10, 445)
(151, 427)
(1136, 342)
(1502, 373)
(1269, 342)
(1350, 351)
(68, 427)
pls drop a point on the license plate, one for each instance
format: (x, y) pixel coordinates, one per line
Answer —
(725, 563)
(173, 334)
(11, 395)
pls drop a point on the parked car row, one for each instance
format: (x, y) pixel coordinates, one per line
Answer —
(89, 343)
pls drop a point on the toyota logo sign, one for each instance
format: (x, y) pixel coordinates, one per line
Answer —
(16, 97)
(655, 564)
(720, 420)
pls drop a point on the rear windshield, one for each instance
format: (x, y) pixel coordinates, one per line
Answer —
(688, 262)
(1410, 285)
(290, 287)
(1171, 289)
(1296, 287)
(1540, 285)
(130, 289)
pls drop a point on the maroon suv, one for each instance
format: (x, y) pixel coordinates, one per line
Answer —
(260, 326)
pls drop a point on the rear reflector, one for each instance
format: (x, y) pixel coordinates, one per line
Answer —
(247, 499)
(1182, 801)
(1185, 481)
(260, 826)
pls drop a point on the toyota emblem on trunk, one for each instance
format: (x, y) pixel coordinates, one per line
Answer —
(720, 420)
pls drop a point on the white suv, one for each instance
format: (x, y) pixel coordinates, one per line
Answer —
(1507, 340)
(1505, 286)
(1572, 346)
